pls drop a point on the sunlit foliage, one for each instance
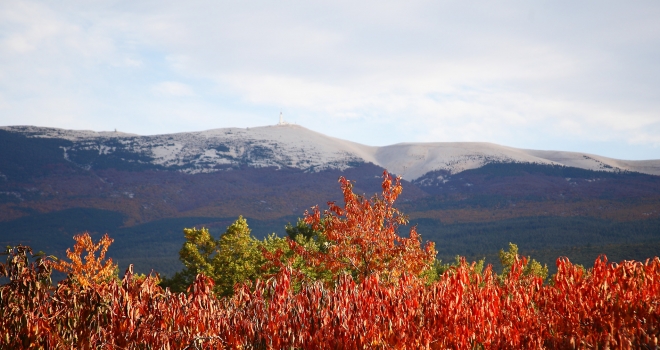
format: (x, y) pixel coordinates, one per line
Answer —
(532, 267)
(361, 238)
(85, 268)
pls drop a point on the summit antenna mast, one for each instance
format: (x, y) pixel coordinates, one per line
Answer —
(282, 122)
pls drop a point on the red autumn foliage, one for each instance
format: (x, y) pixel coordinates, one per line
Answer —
(363, 236)
(615, 305)
(609, 305)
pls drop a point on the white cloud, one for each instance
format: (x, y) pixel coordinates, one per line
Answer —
(130, 62)
(172, 88)
(523, 74)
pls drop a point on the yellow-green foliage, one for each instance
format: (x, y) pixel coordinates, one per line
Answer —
(234, 257)
(533, 267)
(239, 258)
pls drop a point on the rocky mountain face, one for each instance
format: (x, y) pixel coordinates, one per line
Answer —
(471, 198)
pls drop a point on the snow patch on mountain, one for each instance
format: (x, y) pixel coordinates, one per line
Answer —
(213, 150)
(71, 135)
(294, 146)
(413, 160)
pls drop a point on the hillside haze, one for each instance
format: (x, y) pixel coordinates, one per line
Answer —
(470, 198)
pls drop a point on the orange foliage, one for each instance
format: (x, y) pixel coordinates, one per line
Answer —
(93, 270)
(363, 237)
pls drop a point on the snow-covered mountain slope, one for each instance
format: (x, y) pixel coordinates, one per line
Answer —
(297, 147)
(412, 160)
(212, 150)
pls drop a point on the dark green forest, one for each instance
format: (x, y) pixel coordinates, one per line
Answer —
(544, 238)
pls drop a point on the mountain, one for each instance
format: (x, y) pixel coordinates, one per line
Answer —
(293, 146)
(470, 198)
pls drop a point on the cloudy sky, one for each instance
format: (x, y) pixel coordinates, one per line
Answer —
(565, 75)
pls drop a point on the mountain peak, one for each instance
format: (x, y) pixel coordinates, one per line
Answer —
(290, 145)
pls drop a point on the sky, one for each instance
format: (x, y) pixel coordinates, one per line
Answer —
(557, 75)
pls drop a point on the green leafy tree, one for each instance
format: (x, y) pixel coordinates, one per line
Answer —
(301, 229)
(234, 257)
(305, 235)
(532, 267)
(238, 259)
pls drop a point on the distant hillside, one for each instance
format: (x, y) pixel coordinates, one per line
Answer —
(470, 198)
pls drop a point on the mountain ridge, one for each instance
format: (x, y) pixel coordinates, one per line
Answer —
(294, 146)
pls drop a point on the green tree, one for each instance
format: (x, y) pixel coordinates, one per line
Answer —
(533, 267)
(235, 257)
(305, 235)
(301, 229)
